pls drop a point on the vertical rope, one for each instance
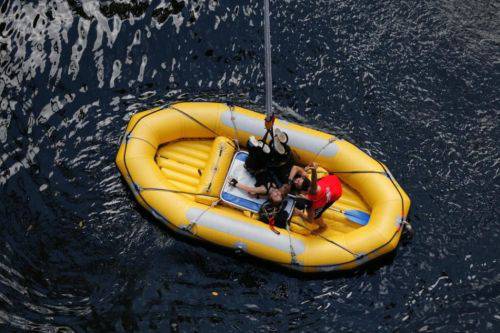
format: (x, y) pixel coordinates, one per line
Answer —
(267, 52)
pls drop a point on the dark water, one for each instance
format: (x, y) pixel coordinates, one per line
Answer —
(415, 84)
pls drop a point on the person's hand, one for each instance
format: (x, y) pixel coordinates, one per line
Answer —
(311, 166)
(233, 182)
(299, 213)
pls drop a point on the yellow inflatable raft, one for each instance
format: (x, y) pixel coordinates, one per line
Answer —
(176, 159)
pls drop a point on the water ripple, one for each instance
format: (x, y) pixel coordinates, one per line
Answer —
(414, 85)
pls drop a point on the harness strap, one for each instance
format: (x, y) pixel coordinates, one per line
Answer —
(271, 225)
(268, 131)
(269, 121)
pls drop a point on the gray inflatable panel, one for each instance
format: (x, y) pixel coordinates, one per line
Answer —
(296, 139)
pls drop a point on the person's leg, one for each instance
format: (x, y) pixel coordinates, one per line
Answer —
(321, 225)
(318, 218)
(249, 189)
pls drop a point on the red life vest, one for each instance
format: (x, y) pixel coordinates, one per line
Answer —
(329, 190)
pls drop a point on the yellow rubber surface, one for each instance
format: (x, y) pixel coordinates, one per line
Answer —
(188, 147)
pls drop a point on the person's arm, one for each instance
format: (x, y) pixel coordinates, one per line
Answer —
(249, 189)
(299, 213)
(295, 171)
(314, 179)
(310, 214)
(285, 189)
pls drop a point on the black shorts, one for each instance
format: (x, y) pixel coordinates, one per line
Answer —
(319, 211)
(303, 203)
(267, 177)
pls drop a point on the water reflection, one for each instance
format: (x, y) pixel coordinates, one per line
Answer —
(413, 85)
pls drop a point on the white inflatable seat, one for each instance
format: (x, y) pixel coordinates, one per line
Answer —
(235, 197)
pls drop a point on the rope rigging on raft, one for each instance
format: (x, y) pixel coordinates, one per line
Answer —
(189, 228)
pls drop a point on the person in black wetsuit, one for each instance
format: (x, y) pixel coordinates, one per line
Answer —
(272, 211)
(270, 163)
(275, 194)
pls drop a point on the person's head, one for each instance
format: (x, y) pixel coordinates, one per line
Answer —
(301, 183)
(275, 196)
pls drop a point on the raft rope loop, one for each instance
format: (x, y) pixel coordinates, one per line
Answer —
(357, 255)
(233, 121)
(174, 191)
(330, 141)
(403, 220)
(129, 136)
(189, 227)
(197, 121)
(293, 255)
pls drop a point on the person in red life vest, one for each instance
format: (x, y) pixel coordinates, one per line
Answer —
(321, 194)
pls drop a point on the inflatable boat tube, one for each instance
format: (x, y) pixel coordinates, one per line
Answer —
(176, 158)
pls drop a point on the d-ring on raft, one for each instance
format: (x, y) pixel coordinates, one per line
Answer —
(176, 158)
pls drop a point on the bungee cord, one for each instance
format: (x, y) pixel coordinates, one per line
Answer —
(267, 62)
